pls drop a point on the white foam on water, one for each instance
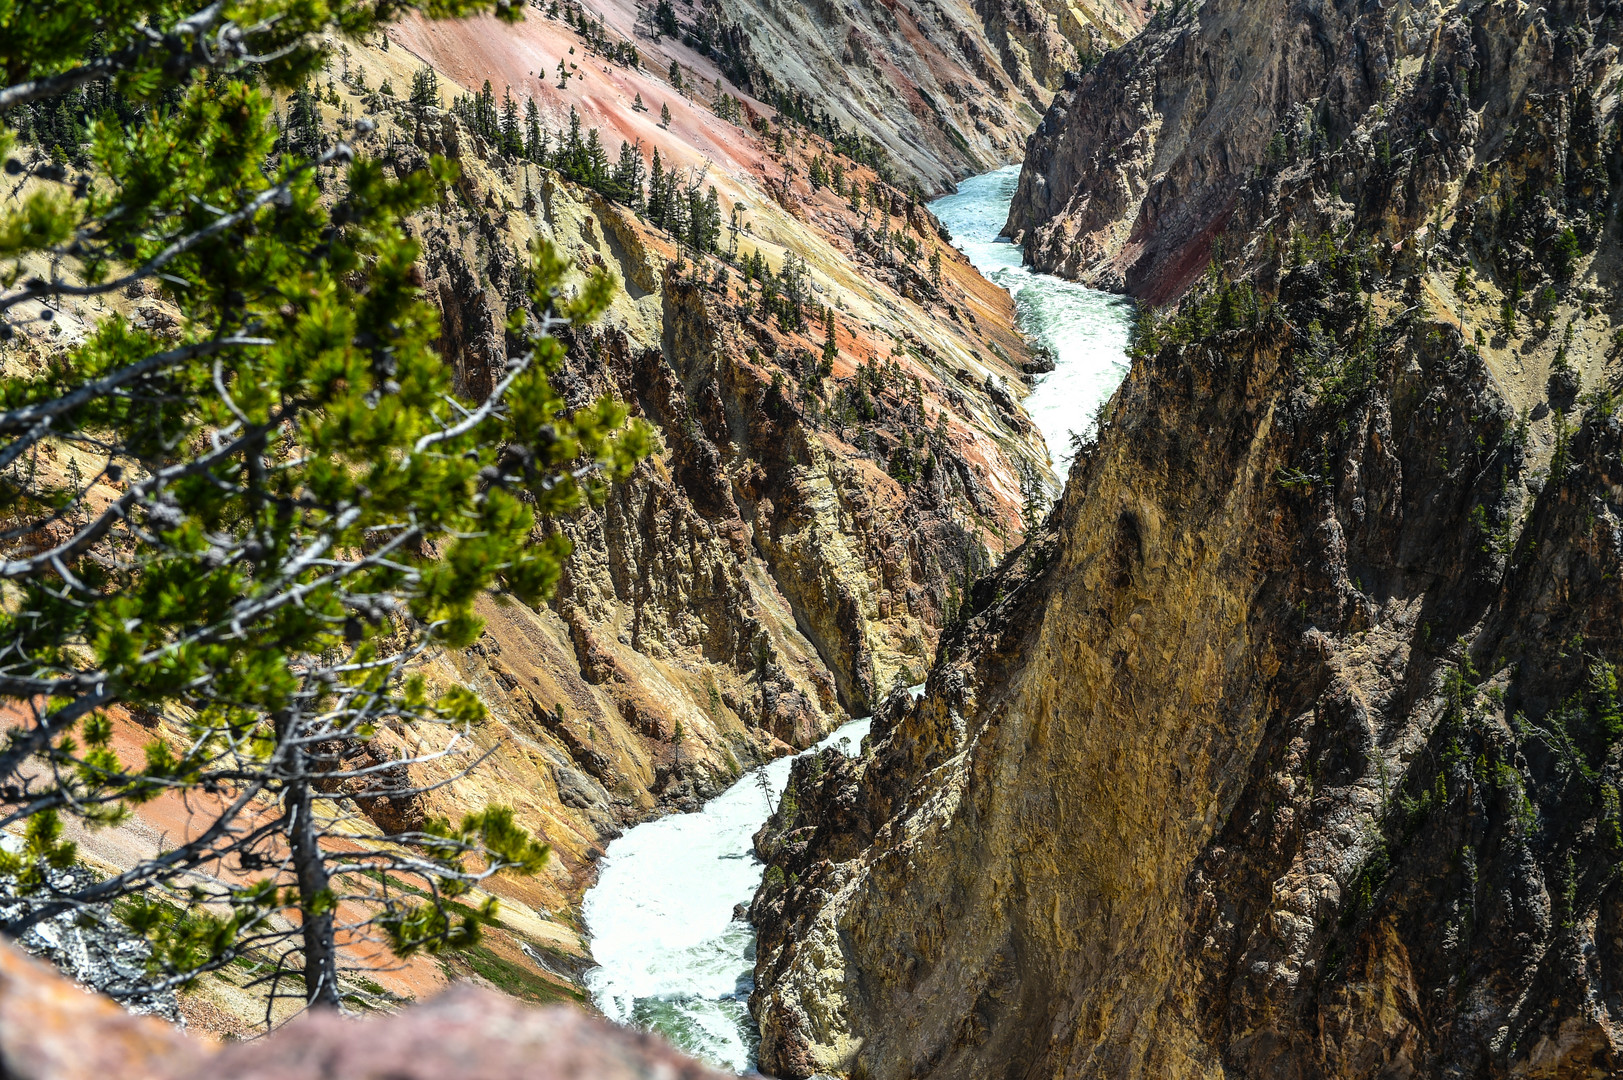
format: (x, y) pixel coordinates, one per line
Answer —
(1085, 329)
(671, 956)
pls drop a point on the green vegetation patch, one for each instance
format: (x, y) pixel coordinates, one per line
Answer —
(513, 978)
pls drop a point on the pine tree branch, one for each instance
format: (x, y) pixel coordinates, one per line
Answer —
(119, 509)
(167, 865)
(43, 414)
(39, 288)
(228, 45)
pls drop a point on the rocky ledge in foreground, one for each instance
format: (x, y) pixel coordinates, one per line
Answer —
(51, 1029)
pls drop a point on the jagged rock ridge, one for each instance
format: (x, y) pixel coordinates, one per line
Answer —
(947, 89)
(1250, 122)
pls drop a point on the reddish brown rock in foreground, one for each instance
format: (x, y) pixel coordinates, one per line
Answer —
(466, 1033)
(51, 1029)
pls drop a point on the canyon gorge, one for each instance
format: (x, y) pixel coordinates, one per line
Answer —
(1229, 564)
(824, 492)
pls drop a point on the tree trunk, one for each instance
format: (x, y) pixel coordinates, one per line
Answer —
(320, 957)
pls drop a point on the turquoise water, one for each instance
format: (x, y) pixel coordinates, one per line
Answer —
(1084, 329)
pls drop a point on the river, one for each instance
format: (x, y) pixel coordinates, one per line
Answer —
(671, 956)
(660, 918)
(1085, 329)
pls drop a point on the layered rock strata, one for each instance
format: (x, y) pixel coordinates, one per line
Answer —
(947, 89)
(1252, 122)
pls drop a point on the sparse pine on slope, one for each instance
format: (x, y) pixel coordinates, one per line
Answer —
(265, 521)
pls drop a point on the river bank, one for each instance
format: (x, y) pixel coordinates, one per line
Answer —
(1082, 329)
(672, 956)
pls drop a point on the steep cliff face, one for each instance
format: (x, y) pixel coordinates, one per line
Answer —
(1241, 771)
(811, 518)
(929, 92)
(803, 532)
(947, 89)
(1255, 121)
(1292, 748)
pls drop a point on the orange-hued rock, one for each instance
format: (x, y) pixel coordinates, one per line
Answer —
(946, 89)
(464, 1034)
(784, 558)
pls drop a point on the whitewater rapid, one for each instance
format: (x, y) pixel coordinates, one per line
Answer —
(1085, 329)
(671, 956)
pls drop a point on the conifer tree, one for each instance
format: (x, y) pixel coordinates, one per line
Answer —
(594, 161)
(664, 116)
(704, 219)
(512, 133)
(425, 88)
(302, 134)
(627, 178)
(769, 289)
(637, 105)
(535, 139)
(677, 203)
(792, 281)
(831, 348)
(572, 150)
(658, 201)
(486, 120)
(712, 219)
(665, 20)
(281, 507)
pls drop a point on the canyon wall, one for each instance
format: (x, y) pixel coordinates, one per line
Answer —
(1292, 745)
(1250, 122)
(948, 89)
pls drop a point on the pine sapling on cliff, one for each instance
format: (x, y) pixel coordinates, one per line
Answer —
(266, 519)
